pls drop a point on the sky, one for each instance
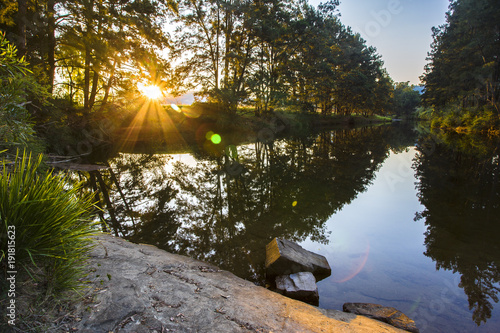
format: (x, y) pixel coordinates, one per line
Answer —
(399, 29)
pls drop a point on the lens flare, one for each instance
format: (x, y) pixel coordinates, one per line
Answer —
(209, 134)
(216, 139)
(175, 107)
(358, 265)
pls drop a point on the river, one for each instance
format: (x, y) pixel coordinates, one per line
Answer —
(406, 217)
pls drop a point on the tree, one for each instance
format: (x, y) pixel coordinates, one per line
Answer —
(275, 44)
(90, 43)
(102, 40)
(406, 99)
(464, 63)
(30, 25)
(314, 66)
(218, 39)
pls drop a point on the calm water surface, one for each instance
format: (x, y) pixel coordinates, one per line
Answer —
(406, 219)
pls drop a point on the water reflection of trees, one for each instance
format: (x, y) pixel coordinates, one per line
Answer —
(229, 205)
(459, 187)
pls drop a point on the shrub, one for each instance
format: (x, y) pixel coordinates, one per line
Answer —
(436, 122)
(52, 224)
(486, 120)
(16, 81)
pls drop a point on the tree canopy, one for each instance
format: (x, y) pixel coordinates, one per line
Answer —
(86, 50)
(274, 53)
(464, 64)
(266, 54)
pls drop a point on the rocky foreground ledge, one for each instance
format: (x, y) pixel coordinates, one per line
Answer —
(140, 288)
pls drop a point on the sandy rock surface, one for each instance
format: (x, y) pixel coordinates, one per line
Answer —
(140, 288)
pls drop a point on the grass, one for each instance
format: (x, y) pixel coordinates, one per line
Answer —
(49, 224)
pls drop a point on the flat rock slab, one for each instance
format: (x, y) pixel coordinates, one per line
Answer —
(284, 257)
(386, 314)
(140, 288)
(301, 286)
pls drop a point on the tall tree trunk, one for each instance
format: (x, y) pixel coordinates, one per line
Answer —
(229, 27)
(96, 61)
(93, 93)
(86, 84)
(108, 86)
(51, 41)
(22, 6)
(88, 54)
(215, 59)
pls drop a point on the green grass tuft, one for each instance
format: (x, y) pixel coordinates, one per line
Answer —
(52, 224)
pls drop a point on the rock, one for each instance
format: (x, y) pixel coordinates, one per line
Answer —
(284, 257)
(140, 288)
(385, 314)
(301, 286)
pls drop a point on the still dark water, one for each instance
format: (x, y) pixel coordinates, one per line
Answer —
(406, 218)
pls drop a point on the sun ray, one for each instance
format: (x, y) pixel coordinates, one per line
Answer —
(133, 131)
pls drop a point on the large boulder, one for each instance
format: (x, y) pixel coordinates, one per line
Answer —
(385, 314)
(300, 286)
(284, 257)
(142, 289)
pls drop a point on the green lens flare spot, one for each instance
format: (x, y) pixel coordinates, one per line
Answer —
(216, 139)
(175, 107)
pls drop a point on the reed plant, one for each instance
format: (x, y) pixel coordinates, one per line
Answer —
(52, 224)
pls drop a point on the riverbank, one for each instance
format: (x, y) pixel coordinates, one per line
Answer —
(140, 288)
(189, 125)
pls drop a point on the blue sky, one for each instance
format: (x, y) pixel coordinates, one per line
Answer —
(399, 29)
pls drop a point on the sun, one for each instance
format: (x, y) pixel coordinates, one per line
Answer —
(151, 91)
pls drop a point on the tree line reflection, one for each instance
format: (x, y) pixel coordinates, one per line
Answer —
(226, 207)
(459, 187)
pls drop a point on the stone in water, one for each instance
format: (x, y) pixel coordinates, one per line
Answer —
(284, 257)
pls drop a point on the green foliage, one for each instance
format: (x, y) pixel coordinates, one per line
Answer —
(7, 10)
(16, 82)
(268, 55)
(478, 120)
(463, 76)
(406, 100)
(52, 223)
